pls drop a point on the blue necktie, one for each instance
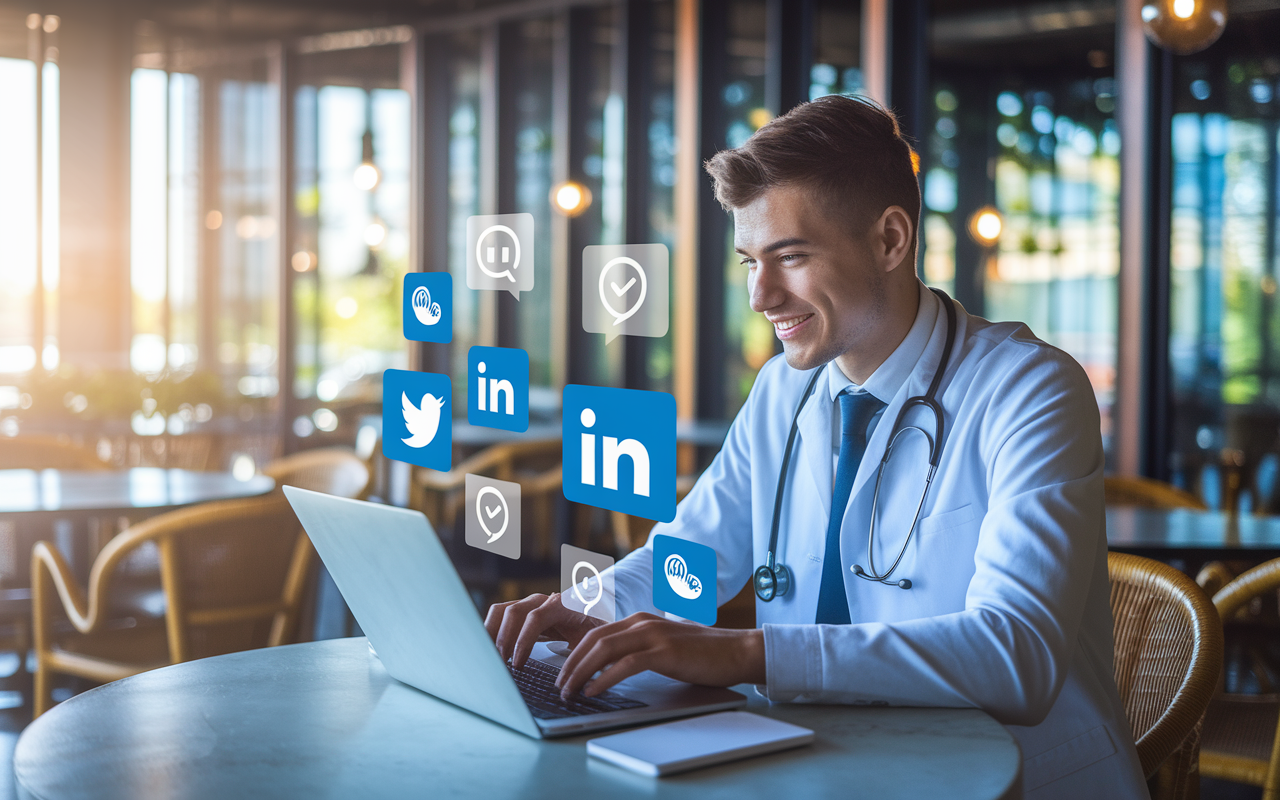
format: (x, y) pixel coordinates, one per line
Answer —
(856, 411)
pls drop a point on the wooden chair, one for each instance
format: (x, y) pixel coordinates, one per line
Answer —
(1132, 490)
(233, 575)
(1168, 655)
(1241, 732)
(333, 470)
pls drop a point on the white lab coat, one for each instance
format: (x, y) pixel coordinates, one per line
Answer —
(1010, 605)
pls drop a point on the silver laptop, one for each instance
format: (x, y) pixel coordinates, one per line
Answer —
(410, 602)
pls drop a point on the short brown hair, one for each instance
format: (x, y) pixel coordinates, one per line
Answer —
(850, 150)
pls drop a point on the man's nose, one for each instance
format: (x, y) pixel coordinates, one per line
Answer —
(763, 289)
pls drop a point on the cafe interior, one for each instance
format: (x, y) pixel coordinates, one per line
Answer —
(208, 209)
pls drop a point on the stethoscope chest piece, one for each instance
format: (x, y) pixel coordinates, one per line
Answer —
(771, 582)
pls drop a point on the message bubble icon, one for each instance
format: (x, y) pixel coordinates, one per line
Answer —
(493, 515)
(500, 251)
(626, 290)
(586, 583)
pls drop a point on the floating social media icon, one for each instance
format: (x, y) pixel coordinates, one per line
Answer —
(428, 307)
(586, 583)
(500, 253)
(626, 289)
(684, 578)
(619, 450)
(417, 418)
(493, 515)
(498, 388)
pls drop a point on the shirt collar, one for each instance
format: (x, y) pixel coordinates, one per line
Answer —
(890, 376)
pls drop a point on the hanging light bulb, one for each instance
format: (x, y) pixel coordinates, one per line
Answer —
(367, 175)
(985, 226)
(570, 198)
(1184, 26)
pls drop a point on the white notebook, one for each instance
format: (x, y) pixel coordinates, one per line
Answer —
(698, 742)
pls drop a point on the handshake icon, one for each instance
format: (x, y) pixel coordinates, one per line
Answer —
(684, 579)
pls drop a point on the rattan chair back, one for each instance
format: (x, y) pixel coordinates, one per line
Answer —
(1168, 653)
(333, 470)
(1132, 490)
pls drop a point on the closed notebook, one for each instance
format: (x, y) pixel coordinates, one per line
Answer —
(698, 742)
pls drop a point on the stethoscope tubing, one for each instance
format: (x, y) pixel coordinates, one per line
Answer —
(771, 566)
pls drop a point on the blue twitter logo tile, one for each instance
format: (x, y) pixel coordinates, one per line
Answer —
(684, 579)
(417, 418)
(428, 307)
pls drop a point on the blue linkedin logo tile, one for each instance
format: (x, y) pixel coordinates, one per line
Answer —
(498, 388)
(620, 450)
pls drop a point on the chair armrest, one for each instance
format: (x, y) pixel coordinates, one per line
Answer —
(1250, 584)
(48, 565)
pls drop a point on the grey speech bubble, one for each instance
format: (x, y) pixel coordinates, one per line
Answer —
(500, 250)
(626, 290)
(493, 515)
(586, 582)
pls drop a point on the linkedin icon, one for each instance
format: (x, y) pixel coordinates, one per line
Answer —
(620, 450)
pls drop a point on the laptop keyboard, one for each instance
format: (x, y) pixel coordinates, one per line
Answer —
(537, 683)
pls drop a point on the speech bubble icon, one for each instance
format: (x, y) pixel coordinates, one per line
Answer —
(618, 285)
(495, 269)
(500, 253)
(577, 587)
(483, 512)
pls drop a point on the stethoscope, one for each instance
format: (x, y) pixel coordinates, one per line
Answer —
(773, 579)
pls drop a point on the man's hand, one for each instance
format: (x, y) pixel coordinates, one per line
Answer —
(679, 650)
(517, 625)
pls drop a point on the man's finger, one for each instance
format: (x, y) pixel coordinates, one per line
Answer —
(513, 621)
(584, 645)
(538, 621)
(619, 671)
(603, 652)
(493, 620)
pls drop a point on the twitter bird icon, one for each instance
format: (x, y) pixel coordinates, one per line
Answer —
(413, 406)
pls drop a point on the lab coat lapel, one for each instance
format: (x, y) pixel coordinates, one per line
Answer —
(815, 441)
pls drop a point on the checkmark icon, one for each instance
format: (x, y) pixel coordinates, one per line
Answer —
(492, 512)
(621, 291)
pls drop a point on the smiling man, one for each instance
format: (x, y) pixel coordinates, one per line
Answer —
(983, 584)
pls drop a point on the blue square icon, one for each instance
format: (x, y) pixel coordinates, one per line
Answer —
(428, 306)
(498, 388)
(417, 418)
(620, 450)
(684, 579)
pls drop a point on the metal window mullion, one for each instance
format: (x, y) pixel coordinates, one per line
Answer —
(634, 61)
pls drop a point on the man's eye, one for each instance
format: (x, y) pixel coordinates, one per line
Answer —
(789, 257)
(747, 262)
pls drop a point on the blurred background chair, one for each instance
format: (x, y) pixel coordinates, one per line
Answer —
(233, 575)
(1241, 734)
(337, 471)
(439, 495)
(1132, 490)
(1168, 655)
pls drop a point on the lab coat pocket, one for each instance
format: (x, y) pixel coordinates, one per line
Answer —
(946, 545)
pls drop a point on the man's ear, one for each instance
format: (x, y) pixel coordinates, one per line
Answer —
(893, 238)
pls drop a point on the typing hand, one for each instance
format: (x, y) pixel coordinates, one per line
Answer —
(517, 625)
(679, 650)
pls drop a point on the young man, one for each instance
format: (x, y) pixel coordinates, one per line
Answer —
(999, 598)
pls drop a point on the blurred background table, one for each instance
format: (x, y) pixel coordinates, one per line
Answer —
(1192, 535)
(324, 719)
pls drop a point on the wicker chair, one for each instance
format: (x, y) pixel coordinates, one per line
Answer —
(233, 575)
(439, 495)
(1168, 654)
(1241, 735)
(1131, 490)
(332, 470)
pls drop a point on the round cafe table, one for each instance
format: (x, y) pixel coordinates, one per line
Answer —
(324, 720)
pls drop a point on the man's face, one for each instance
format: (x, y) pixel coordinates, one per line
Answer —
(811, 276)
